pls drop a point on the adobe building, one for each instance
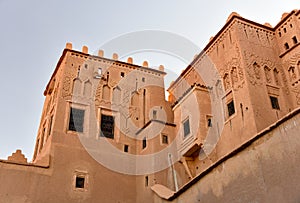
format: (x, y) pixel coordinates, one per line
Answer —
(229, 131)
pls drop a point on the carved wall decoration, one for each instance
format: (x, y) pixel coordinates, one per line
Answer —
(291, 66)
(70, 75)
(292, 73)
(112, 83)
(267, 71)
(126, 97)
(234, 75)
(298, 67)
(253, 68)
(226, 81)
(256, 69)
(98, 95)
(276, 77)
(298, 97)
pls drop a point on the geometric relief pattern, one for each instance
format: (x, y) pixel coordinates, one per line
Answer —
(268, 74)
(256, 66)
(70, 75)
(233, 74)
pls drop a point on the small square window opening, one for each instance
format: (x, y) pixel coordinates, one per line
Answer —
(126, 147)
(209, 122)
(274, 102)
(295, 40)
(165, 139)
(286, 46)
(79, 182)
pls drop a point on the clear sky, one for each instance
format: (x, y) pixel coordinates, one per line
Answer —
(33, 36)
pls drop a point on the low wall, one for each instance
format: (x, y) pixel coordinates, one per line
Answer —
(265, 169)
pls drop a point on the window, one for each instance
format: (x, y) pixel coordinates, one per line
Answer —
(143, 79)
(99, 71)
(79, 183)
(126, 147)
(146, 181)
(164, 139)
(122, 74)
(209, 122)
(295, 40)
(274, 102)
(284, 30)
(279, 34)
(230, 108)
(76, 120)
(107, 126)
(50, 125)
(286, 45)
(186, 128)
(144, 143)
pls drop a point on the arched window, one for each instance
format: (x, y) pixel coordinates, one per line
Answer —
(116, 95)
(77, 86)
(106, 93)
(87, 91)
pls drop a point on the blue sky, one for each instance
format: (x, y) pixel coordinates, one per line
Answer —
(34, 33)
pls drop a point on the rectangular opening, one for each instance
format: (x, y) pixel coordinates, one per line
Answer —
(286, 46)
(146, 181)
(50, 125)
(165, 139)
(230, 108)
(144, 143)
(76, 120)
(107, 126)
(99, 72)
(79, 182)
(126, 148)
(295, 40)
(209, 122)
(274, 102)
(186, 128)
(122, 74)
